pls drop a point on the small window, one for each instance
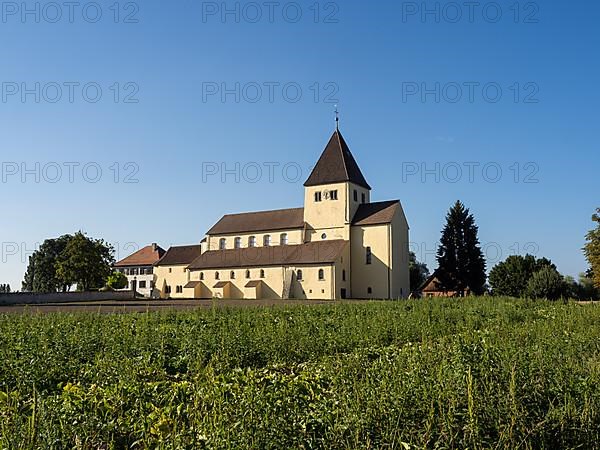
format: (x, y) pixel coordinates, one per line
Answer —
(238, 242)
(179, 289)
(355, 195)
(201, 276)
(232, 275)
(363, 198)
(283, 239)
(318, 197)
(343, 275)
(216, 275)
(369, 290)
(262, 273)
(333, 195)
(267, 240)
(247, 274)
(322, 291)
(299, 275)
(222, 244)
(321, 274)
(252, 241)
(324, 236)
(170, 270)
(369, 256)
(167, 289)
(142, 285)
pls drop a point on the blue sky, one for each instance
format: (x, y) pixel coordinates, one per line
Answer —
(522, 130)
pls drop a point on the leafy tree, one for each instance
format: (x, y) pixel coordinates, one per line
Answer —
(85, 262)
(510, 277)
(418, 271)
(459, 256)
(592, 249)
(117, 280)
(546, 283)
(41, 271)
(582, 289)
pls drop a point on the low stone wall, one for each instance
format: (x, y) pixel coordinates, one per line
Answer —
(27, 298)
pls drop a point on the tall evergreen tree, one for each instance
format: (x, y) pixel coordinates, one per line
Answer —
(459, 256)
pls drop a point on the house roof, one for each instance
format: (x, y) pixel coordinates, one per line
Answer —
(192, 284)
(176, 256)
(280, 219)
(375, 213)
(221, 284)
(146, 256)
(253, 283)
(336, 165)
(322, 252)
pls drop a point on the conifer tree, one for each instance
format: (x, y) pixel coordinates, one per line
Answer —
(459, 256)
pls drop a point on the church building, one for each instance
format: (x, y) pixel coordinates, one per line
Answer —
(339, 245)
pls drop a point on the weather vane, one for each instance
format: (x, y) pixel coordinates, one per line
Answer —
(337, 118)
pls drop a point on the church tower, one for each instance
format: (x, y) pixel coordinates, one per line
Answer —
(333, 192)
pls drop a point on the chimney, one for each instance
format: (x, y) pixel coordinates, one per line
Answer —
(154, 246)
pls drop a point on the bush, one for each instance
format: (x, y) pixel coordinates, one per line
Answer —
(117, 280)
(545, 283)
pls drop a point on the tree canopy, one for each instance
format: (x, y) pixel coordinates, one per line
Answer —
(68, 260)
(510, 277)
(546, 283)
(592, 249)
(418, 271)
(460, 259)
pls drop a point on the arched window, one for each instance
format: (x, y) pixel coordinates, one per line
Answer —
(299, 275)
(201, 275)
(232, 275)
(262, 273)
(252, 241)
(321, 274)
(238, 242)
(267, 240)
(222, 244)
(247, 274)
(283, 239)
(216, 275)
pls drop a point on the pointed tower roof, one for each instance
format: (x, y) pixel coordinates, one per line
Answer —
(336, 165)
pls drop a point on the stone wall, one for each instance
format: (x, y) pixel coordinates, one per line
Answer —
(28, 298)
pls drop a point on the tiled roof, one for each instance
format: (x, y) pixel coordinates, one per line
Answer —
(336, 165)
(281, 219)
(375, 213)
(146, 256)
(180, 255)
(322, 252)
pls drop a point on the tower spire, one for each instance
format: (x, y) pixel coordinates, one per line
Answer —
(337, 118)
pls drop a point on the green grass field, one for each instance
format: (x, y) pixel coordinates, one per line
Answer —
(473, 373)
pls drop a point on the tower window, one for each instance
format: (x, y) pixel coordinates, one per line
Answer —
(355, 195)
(369, 256)
(222, 244)
(238, 242)
(318, 197)
(321, 274)
(333, 195)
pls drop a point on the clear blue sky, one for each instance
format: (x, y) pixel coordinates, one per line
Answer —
(371, 57)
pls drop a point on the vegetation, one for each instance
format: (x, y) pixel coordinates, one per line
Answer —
(511, 276)
(546, 283)
(68, 260)
(592, 250)
(117, 280)
(418, 272)
(461, 264)
(436, 373)
(5, 289)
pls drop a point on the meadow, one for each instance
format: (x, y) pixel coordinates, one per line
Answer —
(441, 373)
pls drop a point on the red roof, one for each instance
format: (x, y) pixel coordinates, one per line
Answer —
(146, 256)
